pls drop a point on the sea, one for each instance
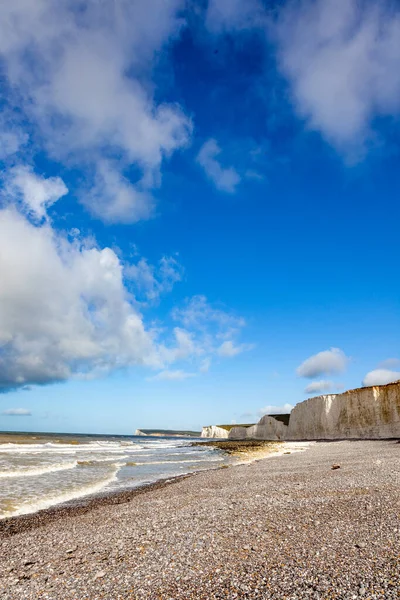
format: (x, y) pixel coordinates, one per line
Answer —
(39, 470)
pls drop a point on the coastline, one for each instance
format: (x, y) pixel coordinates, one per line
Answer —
(291, 526)
(10, 526)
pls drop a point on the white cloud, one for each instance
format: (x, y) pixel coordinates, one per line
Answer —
(229, 349)
(225, 179)
(114, 199)
(275, 410)
(212, 332)
(35, 192)
(11, 140)
(151, 281)
(64, 309)
(317, 387)
(380, 377)
(81, 73)
(327, 362)
(177, 375)
(17, 412)
(389, 363)
(342, 63)
(198, 313)
(205, 365)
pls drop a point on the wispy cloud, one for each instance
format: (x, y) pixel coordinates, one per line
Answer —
(17, 412)
(236, 15)
(177, 375)
(342, 65)
(198, 313)
(389, 363)
(151, 282)
(225, 179)
(229, 348)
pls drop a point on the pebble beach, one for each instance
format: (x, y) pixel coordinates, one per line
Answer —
(288, 526)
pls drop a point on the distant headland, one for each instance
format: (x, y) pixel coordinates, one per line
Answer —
(167, 433)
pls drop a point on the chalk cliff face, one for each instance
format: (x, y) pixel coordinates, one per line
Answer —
(267, 428)
(371, 412)
(213, 431)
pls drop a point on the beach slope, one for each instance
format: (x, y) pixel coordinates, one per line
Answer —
(289, 526)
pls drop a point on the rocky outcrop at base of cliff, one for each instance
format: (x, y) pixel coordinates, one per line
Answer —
(363, 413)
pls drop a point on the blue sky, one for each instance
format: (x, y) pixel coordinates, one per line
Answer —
(199, 211)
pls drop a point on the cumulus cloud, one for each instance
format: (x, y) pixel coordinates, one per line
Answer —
(327, 362)
(342, 64)
(81, 74)
(177, 375)
(36, 193)
(275, 410)
(68, 309)
(64, 309)
(380, 377)
(225, 179)
(317, 387)
(17, 412)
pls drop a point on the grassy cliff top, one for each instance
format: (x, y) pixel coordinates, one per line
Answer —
(167, 432)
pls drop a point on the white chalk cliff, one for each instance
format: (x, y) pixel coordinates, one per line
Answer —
(267, 428)
(369, 413)
(213, 431)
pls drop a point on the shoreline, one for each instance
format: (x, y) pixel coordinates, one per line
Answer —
(317, 524)
(10, 526)
(13, 525)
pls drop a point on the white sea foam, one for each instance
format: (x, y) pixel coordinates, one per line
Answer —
(38, 470)
(54, 499)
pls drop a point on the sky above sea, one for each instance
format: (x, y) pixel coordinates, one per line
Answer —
(199, 208)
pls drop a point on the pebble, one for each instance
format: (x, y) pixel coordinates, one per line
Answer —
(294, 531)
(99, 575)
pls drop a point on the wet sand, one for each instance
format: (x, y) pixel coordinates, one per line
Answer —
(288, 526)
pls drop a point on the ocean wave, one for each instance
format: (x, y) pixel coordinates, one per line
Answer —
(67, 496)
(37, 470)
